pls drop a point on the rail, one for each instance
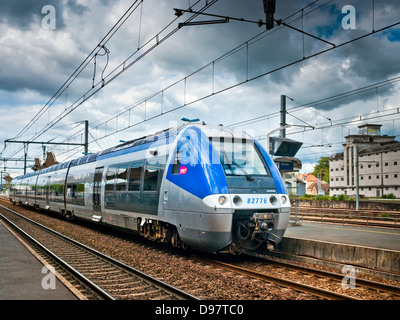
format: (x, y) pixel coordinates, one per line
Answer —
(94, 284)
(343, 219)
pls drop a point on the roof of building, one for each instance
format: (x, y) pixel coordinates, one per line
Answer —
(324, 186)
(307, 177)
(384, 147)
(395, 145)
(336, 156)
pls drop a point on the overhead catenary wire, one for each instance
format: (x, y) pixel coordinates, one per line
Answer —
(110, 34)
(90, 57)
(103, 83)
(83, 65)
(253, 77)
(185, 104)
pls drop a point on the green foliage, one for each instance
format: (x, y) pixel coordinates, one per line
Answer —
(341, 197)
(322, 169)
(388, 196)
(385, 215)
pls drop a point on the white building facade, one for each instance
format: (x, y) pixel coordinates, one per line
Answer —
(379, 165)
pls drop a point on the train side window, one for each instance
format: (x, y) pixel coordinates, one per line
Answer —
(71, 192)
(122, 177)
(135, 173)
(110, 178)
(80, 193)
(177, 163)
(151, 176)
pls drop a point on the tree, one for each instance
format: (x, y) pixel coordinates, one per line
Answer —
(322, 169)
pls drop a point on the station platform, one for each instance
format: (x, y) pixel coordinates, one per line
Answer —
(373, 248)
(21, 274)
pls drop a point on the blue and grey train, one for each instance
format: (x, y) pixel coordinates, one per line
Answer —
(208, 187)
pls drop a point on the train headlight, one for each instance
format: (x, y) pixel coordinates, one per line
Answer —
(237, 200)
(283, 199)
(273, 200)
(222, 200)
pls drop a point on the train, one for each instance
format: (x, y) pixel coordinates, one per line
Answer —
(208, 187)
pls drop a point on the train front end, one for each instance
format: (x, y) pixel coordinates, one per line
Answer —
(235, 199)
(257, 195)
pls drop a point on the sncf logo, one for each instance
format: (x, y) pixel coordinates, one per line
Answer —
(182, 170)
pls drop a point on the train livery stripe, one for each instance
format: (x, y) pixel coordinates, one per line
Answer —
(200, 172)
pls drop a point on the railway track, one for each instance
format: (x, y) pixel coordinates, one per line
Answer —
(265, 271)
(381, 219)
(326, 278)
(101, 276)
(338, 277)
(278, 280)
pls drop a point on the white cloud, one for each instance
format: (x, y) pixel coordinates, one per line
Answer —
(36, 62)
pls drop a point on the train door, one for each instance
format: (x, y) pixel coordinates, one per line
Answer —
(47, 190)
(98, 177)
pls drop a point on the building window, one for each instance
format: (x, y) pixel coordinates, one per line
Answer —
(386, 164)
(369, 177)
(395, 163)
(395, 176)
(377, 177)
(386, 176)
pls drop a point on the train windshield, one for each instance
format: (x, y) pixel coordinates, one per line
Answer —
(240, 157)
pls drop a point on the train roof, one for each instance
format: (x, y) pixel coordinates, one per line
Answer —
(141, 144)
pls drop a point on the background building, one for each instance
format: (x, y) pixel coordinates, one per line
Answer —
(294, 185)
(313, 185)
(379, 164)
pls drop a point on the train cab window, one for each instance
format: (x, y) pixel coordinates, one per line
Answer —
(240, 157)
(110, 178)
(122, 177)
(151, 176)
(135, 173)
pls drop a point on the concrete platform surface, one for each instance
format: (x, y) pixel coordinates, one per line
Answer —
(21, 276)
(362, 236)
(372, 248)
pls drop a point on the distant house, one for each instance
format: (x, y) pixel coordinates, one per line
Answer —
(316, 188)
(312, 184)
(294, 185)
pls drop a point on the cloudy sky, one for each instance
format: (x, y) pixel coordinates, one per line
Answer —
(146, 74)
